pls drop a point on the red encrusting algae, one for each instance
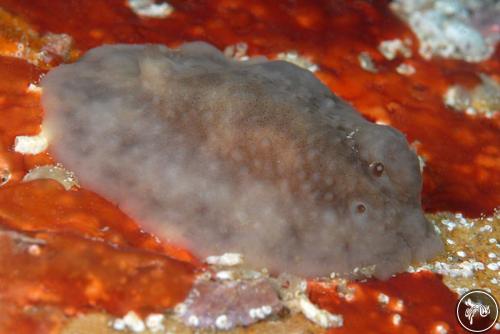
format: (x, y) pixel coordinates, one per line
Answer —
(407, 303)
(65, 252)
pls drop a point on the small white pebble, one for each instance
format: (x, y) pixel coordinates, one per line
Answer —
(226, 259)
(224, 275)
(449, 224)
(134, 322)
(366, 62)
(497, 326)
(30, 144)
(396, 319)
(461, 253)
(486, 228)
(405, 69)
(260, 312)
(222, 322)
(492, 241)
(492, 266)
(494, 280)
(180, 309)
(492, 255)
(383, 299)
(34, 250)
(440, 329)
(154, 322)
(193, 321)
(450, 242)
(399, 306)
(32, 88)
(119, 325)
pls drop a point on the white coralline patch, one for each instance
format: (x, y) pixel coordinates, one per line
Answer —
(296, 59)
(30, 144)
(482, 100)
(225, 260)
(150, 9)
(130, 321)
(54, 172)
(450, 29)
(464, 269)
(390, 49)
(320, 317)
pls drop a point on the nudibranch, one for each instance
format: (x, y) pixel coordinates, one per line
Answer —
(256, 157)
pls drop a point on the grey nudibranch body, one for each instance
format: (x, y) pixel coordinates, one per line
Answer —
(256, 157)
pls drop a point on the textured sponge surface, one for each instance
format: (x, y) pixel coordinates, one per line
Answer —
(256, 157)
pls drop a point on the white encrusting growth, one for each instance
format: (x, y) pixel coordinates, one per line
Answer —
(134, 323)
(390, 49)
(154, 322)
(319, 316)
(452, 29)
(151, 9)
(296, 59)
(130, 321)
(32, 88)
(226, 259)
(30, 144)
(260, 312)
(460, 269)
